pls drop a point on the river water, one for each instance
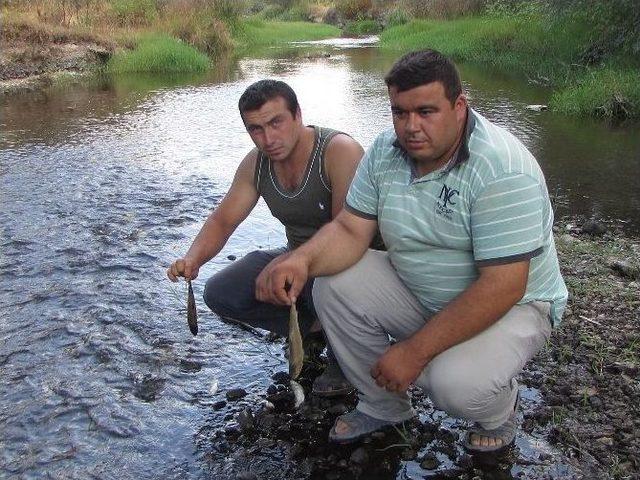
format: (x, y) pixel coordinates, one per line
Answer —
(103, 183)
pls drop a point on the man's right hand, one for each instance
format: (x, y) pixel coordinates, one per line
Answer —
(283, 279)
(183, 267)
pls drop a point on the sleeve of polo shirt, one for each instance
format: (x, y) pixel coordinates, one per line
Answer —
(362, 197)
(506, 220)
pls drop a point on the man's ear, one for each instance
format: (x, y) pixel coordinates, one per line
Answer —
(460, 106)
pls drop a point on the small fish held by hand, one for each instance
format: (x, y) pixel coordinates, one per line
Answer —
(192, 313)
(296, 352)
(296, 355)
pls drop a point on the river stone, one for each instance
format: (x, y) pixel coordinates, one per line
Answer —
(429, 461)
(236, 394)
(245, 420)
(219, 405)
(231, 257)
(594, 227)
(359, 456)
(625, 269)
(281, 378)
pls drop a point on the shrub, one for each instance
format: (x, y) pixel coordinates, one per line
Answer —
(159, 54)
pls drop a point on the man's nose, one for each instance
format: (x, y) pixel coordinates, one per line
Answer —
(412, 124)
(269, 136)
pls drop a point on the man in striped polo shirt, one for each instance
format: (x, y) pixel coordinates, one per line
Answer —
(470, 286)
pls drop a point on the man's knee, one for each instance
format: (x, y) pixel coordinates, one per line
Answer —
(461, 393)
(219, 297)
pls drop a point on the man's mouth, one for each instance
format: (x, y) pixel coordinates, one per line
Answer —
(415, 143)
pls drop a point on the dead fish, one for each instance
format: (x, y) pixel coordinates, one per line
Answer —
(298, 393)
(296, 352)
(192, 313)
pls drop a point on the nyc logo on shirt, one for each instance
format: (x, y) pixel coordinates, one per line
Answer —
(446, 200)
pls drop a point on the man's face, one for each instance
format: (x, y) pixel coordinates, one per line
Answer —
(273, 129)
(426, 123)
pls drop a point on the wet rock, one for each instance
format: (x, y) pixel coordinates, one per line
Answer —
(594, 227)
(625, 269)
(272, 390)
(408, 454)
(219, 405)
(236, 394)
(245, 420)
(231, 257)
(359, 456)
(544, 456)
(281, 378)
(282, 401)
(429, 461)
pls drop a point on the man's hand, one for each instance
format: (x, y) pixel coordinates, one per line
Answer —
(398, 367)
(281, 281)
(183, 267)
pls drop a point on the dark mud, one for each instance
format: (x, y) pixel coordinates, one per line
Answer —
(581, 398)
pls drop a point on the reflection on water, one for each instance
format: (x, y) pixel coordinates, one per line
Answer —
(103, 184)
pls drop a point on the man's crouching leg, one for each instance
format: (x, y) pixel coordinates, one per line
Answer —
(475, 380)
(355, 307)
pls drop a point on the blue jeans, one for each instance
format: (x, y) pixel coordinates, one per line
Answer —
(231, 294)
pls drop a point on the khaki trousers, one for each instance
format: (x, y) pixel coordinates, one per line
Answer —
(366, 304)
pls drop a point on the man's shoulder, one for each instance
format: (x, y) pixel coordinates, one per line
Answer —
(495, 152)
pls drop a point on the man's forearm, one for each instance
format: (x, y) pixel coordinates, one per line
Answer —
(481, 305)
(334, 248)
(211, 238)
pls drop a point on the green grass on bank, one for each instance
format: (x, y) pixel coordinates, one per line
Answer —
(539, 49)
(257, 33)
(159, 54)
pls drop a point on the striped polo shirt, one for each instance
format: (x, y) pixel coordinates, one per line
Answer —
(488, 205)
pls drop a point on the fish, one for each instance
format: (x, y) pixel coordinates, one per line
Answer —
(192, 313)
(296, 351)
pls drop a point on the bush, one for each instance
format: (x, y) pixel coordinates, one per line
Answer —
(442, 9)
(134, 12)
(159, 54)
(396, 17)
(354, 9)
(363, 27)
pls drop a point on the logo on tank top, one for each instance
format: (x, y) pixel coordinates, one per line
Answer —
(321, 205)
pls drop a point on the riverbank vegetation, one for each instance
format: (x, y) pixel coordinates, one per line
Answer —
(589, 52)
(139, 35)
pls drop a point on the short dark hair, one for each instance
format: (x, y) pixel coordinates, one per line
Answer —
(423, 67)
(259, 93)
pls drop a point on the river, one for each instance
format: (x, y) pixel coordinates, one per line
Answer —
(103, 183)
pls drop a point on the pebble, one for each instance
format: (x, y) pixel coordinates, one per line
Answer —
(245, 420)
(219, 405)
(429, 461)
(236, 394)
(359, 456)
(594, 227)
(231, 257)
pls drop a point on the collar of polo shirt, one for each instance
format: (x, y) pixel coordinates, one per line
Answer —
(462, 152)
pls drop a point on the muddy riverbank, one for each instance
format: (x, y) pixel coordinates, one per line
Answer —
(32, 58)
(581, 398)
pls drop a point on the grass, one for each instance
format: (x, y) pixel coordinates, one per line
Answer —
(544, 50)
(362, 27)
(159, 54)
(256, 32)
